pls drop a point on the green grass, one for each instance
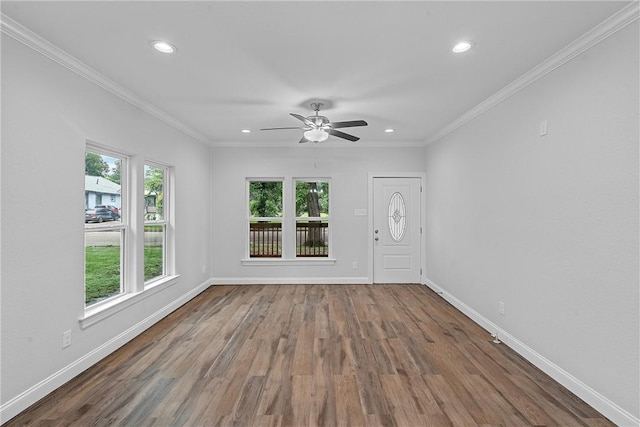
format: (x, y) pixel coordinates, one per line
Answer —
(152, 262)
(102, 270)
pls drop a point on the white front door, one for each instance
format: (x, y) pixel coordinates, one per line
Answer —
(396, 230)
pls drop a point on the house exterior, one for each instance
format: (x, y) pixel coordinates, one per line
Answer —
(101, 191)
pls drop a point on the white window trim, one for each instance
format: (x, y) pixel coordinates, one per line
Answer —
(134, 289)
(167, 221)
(288, 221)
(107, 308)
(300, 261)
(249, 218)
(123, 225)
(327, 218)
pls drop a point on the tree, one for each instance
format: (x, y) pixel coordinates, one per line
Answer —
(265, 199)
(94, 165)
(312, 198)
(154, 186)
(116, 173)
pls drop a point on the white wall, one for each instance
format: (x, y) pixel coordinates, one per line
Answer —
(348, 169)
(549, 225)
(48, 113)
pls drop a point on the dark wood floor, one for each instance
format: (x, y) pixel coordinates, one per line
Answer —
(392, 355)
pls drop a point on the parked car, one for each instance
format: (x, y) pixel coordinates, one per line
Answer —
(99, 215)
(111, 208)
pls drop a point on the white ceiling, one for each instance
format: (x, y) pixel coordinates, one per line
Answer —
(247, 65)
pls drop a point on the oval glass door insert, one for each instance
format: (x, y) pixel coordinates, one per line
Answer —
(397, 217)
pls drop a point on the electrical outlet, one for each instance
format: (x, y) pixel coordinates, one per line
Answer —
(355, 265)
(501, 308)
(66, 339)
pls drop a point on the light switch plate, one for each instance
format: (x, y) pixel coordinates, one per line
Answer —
(544, 128)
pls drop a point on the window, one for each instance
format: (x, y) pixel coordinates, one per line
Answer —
(128, 239)
(312, 218)
(104, 226)
(155, 221)
(265, 218)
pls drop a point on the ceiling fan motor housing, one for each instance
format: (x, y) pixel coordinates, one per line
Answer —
(319, 121)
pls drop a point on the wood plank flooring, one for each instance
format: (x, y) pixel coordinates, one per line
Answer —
(313, 355)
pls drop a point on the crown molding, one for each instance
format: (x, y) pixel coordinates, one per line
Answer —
(594, 36)
(27, 37)
(602, 31)
(326, 144)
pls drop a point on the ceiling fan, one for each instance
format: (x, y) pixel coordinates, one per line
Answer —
(318, 128)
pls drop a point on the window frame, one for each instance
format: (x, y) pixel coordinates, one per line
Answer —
(133, 287)
(167, 204)
(288, 257)
(326, 219)
(249, 218)
(123, 226)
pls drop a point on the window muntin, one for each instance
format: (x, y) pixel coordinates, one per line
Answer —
(312, 218)
(105, 228)
(155, 221)
(265, 218)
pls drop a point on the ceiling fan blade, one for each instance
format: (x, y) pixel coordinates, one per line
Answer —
(349, 124)
(304, 120)
(343, 135)
(283, 128)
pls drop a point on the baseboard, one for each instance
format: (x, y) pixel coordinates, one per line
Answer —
(290, 281)
(27, 398)
(596, 400)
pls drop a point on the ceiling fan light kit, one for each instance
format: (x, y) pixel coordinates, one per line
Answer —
(317, 128)
(316, 135)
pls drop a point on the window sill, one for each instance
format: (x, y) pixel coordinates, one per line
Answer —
(296, 262)
(95, 314)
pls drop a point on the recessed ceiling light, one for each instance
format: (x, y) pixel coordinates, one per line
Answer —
(461, 47)
(163, 47)
(245, 131)
(389, 130)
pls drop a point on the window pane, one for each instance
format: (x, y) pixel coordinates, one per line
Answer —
(153, 193)
(154, 243)
(265, 236)
(265, 199)
(154, 211)
(102, 192)
(265, 239)
(312, 199)
(312, 238)
(103, 261)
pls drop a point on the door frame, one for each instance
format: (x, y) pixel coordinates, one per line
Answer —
(423, 206)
